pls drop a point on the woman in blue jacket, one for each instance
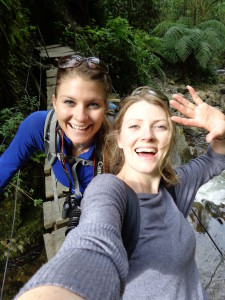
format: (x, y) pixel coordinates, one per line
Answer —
(76, 130)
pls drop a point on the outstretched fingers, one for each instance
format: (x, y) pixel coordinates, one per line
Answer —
(184, 121)
(194, 95)
(183, 106)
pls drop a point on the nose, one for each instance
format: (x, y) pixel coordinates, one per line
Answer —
(80, 113)
(148, 134)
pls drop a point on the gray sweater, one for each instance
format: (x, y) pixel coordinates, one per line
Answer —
(92, 261)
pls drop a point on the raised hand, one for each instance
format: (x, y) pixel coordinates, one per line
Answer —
(199, 114)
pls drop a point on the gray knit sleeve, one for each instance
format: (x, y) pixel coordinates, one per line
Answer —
(92, 261)
(194, 174)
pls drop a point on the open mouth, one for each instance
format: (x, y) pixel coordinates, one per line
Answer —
(146, 152)
(79, 128)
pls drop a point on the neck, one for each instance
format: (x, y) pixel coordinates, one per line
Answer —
(141, 183)
(79, 149)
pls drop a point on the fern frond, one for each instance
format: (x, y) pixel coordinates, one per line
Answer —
(162, 28)
(172, 36)
(184, 48)
(214, 25)
(204, 53)
(196, 35)
(213, 39)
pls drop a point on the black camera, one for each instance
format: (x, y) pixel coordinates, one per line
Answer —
(71, 209)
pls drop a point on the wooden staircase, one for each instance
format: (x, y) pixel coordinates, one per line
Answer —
(52, 209)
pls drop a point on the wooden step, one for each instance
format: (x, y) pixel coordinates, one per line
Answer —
(50, 92)
(57, 52)
(51, 72)
(51, 81)
(49, 190)
(53, 241)
(52, 211)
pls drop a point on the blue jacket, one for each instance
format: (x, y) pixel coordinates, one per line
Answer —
(30, 138)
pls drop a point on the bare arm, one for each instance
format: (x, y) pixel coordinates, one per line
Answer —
(202, 115)
(49, 292)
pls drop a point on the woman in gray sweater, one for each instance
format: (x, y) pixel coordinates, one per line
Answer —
(92, 263)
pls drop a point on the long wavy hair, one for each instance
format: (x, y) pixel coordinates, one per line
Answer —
(114, 155)
(86, 73)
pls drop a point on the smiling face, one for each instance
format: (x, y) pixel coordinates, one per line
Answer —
(80, 107)
(144, 139)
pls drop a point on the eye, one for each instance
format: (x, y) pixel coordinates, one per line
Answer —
(134, 126)
(69, 102)
(93, 105)
(160, 127)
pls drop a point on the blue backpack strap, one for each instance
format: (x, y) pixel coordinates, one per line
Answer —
(131, 223)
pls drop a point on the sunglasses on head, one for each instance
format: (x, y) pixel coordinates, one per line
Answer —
(73, 61)
(151, 91)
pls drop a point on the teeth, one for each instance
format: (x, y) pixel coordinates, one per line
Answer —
(149, 150)
(78, 127)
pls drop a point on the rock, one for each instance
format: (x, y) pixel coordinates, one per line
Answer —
(202, 95)
(193, 151)
(182, 153)
(172, 82)
(193, 131)
(182, 89)
(222, 91)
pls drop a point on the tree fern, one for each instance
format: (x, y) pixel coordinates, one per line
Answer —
(201, 43)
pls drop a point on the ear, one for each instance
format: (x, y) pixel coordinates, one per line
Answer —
(54, 101)
(118, 140)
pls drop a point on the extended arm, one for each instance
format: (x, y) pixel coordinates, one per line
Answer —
(202, 115)
(27, 140)
(92, 262)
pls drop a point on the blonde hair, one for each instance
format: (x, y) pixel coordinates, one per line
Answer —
(114, 156)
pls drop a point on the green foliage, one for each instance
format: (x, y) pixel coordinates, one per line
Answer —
(191, 12)
(15, 40)
(161, 29)
(10, 119)
(140, 14)
(131, 53)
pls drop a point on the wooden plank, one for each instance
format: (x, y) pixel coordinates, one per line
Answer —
(58, 53)
(58, 49)
(49, 191)
(51, 81)
(49, 106)
(47, 47)
(53, 241)
(52, 212)
(51, 72)
(52, 46)
(50, 92)
(47, 168)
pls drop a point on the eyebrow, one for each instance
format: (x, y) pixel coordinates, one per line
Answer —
(157, 120)
(75, 99)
